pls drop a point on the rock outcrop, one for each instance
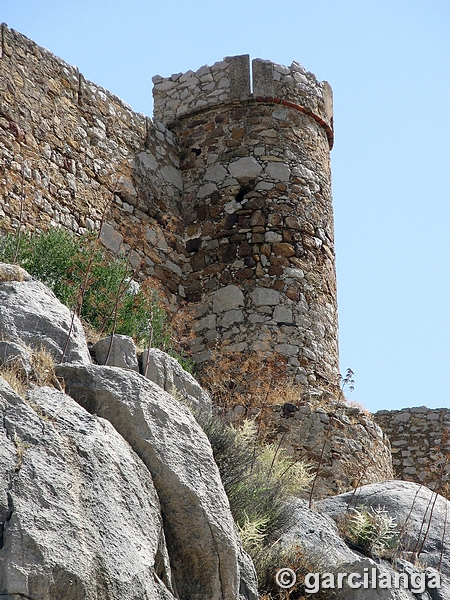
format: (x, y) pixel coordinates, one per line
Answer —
(30, 314)
(167, 372)
(200, 532)
(349, 446)
(419, 510)
(320, 542)
(124, 508)
(120, 352)
(79, 514)
(109, 490)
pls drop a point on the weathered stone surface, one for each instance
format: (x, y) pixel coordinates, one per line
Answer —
(206, 190)
(147, 160)
(122, 353)
(265, 297)
(294, 273)
(282, 314)
(199, 529)
(169, 375)
(227, 298)
(173, 176)
(257, 219)
(420, 442)
(79, 515)
(318, 538)
(15, 355)
(349, 446)
(318, 535)
(231, 317)
(272, 237)
(278, 171)
(283, 249)
(216, 173)
(245, 169)
(111, 238)
(31, 314)
(13, 273)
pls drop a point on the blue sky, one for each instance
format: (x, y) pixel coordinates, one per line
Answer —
(388, 62)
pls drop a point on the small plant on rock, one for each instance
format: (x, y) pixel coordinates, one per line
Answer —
(372, 531)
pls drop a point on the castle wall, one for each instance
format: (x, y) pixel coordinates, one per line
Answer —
(258, 215)
(347, 447)
(420, 439)
(184, 93)
(225, 197)
(74, 147)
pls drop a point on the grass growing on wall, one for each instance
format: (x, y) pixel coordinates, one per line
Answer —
(111, 301)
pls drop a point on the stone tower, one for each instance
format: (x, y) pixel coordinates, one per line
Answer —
(257, 209)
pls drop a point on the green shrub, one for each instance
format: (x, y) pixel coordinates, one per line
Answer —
(56, 258)
(109, 302)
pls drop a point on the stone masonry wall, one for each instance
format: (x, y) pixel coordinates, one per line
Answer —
(342, 442)
(73, 147)
(420, 439)
(226, 81)
(225, 197)
(258, 215)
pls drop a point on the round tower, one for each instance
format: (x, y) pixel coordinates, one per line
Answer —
(260, 268)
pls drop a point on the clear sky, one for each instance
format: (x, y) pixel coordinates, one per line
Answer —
(388, 62)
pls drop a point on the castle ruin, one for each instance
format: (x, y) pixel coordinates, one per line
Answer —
(229, 191)
(230, 187)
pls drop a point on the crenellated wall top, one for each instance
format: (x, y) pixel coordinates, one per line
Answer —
(229, 81)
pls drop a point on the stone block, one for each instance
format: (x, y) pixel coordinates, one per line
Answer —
(265, 297)
(283, 249)
(231, 317)
(245, 169)
(111, 238)
(227, 298)
(281, 314)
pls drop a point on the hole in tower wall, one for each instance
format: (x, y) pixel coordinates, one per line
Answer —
(245, 189)
(196, 151)
(193, 245)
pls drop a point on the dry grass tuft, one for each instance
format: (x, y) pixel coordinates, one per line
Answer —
(13, 375)
(360, 406)
(254, 381)
(42, 373)
(43, 365)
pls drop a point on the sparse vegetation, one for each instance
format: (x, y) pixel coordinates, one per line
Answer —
(259, 480)
(97, 287)
(42, 371)
(13, 375)
(371, 530)
(254, 381)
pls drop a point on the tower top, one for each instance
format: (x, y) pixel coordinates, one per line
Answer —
(228, 81)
